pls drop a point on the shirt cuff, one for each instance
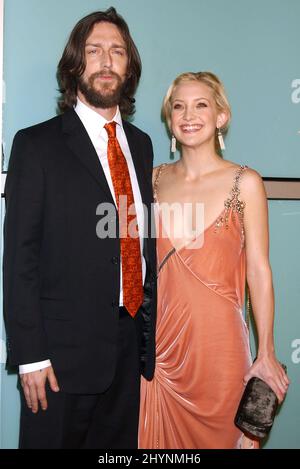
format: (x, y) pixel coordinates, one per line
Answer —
(34, 366)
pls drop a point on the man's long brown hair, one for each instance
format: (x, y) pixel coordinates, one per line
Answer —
(72, 63)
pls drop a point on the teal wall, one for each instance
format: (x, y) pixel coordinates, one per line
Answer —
(254, 47)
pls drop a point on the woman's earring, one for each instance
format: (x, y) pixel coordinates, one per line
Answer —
(173, 144)
(221, 140)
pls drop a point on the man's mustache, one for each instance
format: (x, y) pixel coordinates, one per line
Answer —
(104, 73)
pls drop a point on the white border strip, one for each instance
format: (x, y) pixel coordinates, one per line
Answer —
(2, 97)
(2, 344)
(1, 75)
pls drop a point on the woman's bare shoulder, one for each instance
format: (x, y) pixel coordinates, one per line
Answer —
(159, 170)
(251, 178)
(251, 184)
(163, 165)
(155, 171)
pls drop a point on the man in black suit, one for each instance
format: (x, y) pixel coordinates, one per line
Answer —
(80, 347)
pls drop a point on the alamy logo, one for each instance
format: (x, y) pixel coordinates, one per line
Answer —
(295, 96)
(176, 221)
(296, 353)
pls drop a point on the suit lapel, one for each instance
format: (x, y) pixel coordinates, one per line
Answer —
(79, 142)
(137, 158)
(142, 177)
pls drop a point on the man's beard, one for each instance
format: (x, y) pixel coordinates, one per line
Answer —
(103, 97)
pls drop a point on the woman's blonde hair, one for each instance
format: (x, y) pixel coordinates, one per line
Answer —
(209, 79)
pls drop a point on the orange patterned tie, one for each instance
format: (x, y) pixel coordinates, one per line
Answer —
(133, 292)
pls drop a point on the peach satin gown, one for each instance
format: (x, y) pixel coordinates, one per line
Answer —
(202, 342)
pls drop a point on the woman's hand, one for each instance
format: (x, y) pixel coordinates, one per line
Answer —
(268, 368)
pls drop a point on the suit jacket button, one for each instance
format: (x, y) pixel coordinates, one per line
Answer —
(115, 260)
(114, 303)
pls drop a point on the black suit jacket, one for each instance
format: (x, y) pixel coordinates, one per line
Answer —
(61, 282)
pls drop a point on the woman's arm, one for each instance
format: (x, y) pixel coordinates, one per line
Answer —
(259, 278)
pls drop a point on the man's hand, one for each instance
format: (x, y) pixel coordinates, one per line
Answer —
(33, 385)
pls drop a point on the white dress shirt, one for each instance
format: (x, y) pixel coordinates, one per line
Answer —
(94, 125)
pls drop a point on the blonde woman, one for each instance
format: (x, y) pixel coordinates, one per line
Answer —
(203, 357)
